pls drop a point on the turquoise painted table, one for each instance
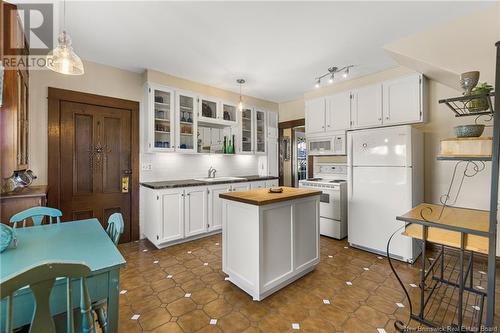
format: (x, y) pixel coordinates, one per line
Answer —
(82, 241)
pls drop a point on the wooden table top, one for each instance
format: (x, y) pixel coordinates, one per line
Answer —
(470, 220)
(261, 196)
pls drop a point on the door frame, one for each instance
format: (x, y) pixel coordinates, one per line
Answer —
(310, 159)
(55, 97)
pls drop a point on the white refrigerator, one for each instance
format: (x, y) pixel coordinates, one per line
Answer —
(385, 179)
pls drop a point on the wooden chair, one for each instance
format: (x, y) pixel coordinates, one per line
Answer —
(41, 280)
(115, 227)
(114, 230)
(36, 214)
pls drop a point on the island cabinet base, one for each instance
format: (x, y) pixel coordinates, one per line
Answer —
(266, 247)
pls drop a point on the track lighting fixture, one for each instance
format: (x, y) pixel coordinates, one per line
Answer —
(331, 71)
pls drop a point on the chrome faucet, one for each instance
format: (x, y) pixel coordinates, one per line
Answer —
(211, 172)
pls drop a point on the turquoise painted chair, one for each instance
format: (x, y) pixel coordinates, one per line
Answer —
(114, 230)
(41, 280)
(36, 214)
(115, 227)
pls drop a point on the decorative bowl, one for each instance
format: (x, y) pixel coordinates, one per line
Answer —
(469, 131)
(276, 190)
(6, 236)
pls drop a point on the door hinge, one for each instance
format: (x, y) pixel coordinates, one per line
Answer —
(157, 237)
(157, 197)
(208, 225)
(208, 191)
(149, 89)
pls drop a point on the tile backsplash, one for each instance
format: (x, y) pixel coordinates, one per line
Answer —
(167, 166)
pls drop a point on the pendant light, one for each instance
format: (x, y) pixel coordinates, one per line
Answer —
(240, 104)
(63, 59)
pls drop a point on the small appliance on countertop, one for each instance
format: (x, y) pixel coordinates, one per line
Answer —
(331, 178)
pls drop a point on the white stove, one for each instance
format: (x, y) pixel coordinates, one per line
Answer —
(331, 178)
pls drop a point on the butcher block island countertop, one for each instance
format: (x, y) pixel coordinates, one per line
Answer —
(262, 196)
(269, 240)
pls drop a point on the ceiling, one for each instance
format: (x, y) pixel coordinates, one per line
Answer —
(278, 47)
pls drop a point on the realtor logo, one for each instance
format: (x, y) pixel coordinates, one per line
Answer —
(36, 20)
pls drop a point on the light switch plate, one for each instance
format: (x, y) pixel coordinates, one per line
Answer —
(147, 166)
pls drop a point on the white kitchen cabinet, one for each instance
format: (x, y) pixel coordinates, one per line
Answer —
(164, 215)
(240, 187)
(160, 118)
(186, 122)
(272, 183)
(247, 132)
(272, 157)
(215, 206)
(315, 115)
(366, 106)
(214, 112)
(208, 109)
(338, 111)
(403, 100)
(272, 124)
(259, 184)
(260, 131)
(229, 112)
(172, 202)
(195, 211)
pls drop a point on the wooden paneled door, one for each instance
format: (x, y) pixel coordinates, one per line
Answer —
(95, 153)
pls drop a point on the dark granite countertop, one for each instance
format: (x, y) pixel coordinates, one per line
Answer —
(192, 182)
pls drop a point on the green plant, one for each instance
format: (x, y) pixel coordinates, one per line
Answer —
(481, 103)
(481, 89)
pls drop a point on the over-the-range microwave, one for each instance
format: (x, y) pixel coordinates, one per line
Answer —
(328, 144)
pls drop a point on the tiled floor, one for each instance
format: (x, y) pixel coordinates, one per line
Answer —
(182, 289)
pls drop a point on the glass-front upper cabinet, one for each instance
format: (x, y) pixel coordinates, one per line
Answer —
(260, 131)
(208, 109)
(247, 131)
(186, 122)
(161, 101)
(229, 112)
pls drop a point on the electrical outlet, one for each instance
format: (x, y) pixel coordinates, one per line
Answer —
(147, 167)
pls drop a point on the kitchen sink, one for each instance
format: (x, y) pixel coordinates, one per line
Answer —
(218, 179)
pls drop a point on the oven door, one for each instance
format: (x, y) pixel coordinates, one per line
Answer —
(330, 204)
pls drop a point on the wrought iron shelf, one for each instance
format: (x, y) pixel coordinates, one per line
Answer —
(470, 105)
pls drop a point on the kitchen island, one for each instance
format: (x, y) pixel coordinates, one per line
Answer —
(269, 239)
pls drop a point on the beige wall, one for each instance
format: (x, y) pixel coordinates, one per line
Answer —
(445, 51)
(169, 80)
(291, 110)
(110, 81)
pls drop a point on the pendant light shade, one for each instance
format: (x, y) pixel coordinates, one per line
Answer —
(63, 59)
(240, 104)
